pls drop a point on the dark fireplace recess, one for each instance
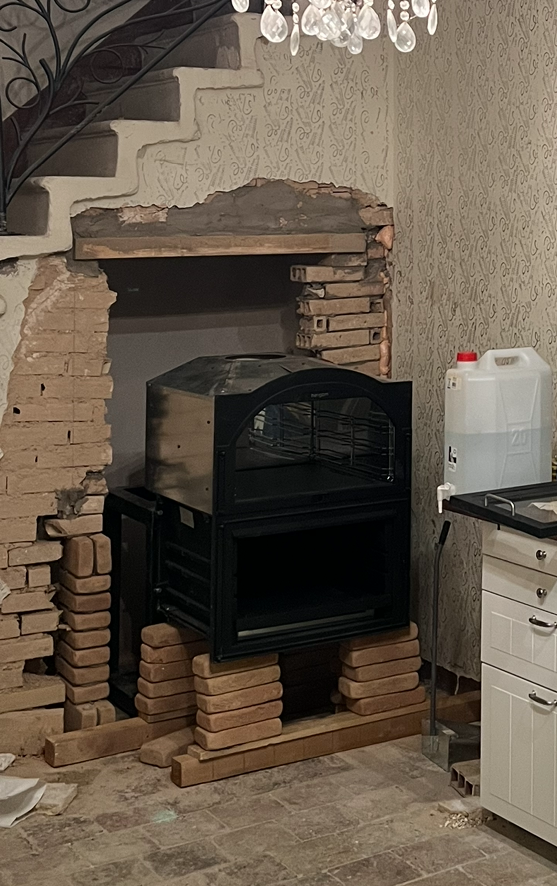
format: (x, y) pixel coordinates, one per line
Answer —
(282, 491)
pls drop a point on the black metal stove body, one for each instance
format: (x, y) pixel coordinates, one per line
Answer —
(284, 492)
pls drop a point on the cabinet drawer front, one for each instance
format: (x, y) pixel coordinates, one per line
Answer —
(519, 752)
(510, 641)
(516, 547)
(519, 583)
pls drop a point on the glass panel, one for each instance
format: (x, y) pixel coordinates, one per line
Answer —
(314, 446)
(292, 577)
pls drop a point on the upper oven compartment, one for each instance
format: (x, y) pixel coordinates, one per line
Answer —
(228, 434)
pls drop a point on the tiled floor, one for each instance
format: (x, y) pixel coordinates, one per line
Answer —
(363, 818)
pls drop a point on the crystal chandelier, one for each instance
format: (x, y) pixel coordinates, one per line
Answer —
(345, 23)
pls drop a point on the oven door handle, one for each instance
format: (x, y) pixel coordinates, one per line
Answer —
(540, 623)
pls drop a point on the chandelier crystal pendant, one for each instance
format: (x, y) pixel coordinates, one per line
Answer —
(347, 23)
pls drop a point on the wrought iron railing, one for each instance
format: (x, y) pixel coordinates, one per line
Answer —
(51, 85)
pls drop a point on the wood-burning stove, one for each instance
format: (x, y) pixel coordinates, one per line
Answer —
(283, 490)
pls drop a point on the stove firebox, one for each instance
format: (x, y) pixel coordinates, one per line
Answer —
(283, 488)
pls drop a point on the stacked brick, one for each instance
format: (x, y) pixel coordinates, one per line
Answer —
(82, 650)
(380, 673)
(28, 619)
(308, 677)
(344, 304)
(237, 702)
(166, 684)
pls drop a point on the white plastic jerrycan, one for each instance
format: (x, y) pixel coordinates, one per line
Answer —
(498, 421)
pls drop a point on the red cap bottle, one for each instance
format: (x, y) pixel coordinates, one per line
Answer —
(466, 357)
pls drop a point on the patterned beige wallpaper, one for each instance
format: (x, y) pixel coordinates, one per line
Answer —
(476, 248)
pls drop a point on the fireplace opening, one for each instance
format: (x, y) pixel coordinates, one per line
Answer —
(311, 575)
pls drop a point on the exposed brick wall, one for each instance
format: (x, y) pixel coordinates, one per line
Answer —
(55, 446)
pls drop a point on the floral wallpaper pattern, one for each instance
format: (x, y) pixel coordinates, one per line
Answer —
(476, 247)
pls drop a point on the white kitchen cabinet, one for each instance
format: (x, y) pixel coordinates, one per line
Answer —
(519, 680)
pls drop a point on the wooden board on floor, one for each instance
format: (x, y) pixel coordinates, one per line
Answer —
(315, 737)
(165, 245)
(91, 744)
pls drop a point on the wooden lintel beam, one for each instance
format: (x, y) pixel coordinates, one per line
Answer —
(181, 245)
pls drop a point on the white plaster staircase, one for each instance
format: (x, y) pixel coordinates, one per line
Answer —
(102, 161)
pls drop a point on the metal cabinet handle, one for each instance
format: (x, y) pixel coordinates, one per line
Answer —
(534, 620)
(498, 499)
(548, 704)
(541, 555)
(541, 593)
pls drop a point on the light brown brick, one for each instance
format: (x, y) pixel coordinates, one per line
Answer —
(91, 504)
(34, 646)
(94, 584)
(40, 622)
(165, 727)
(357, 321)
(74, 526)
(39, 576)
(106, 712)
(386, 638)
(94, 484)
(89, 432)
(91, 320)
(341, 356)
(93, 344)
(90, 692)
(22, 529)
(83, 658)
(32, 436)
(213, 741)
(40, 552)
(3, 557)
(86, 621)
(165, 687)
(233, 682)
(372, 688)
(240, 717)
(23, 733)
(320, 341)
(57, 388)
(178, 652)
(173, 670)
(39, 505)
(355, 290)
(9, 627)
(81, 603)
(43, 411)
(242, 698)
(41, 364)
(37, 691)
(27, 601)
(14, 577)
(185, 701)
(166, 715)
(325, 273)
(367, 706)
(11, 675)
(95, 297)
(204, 667)
(94, 388)
(79, 556)
(87, 639)
(160, 751)
(103, 554)
(345, 260)
(319, 307)
(81, 676)
(357, 658)
(383, 669)
(81, 716)
(50, 342)
(163, 634)
(42, 480)
(83, 364)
